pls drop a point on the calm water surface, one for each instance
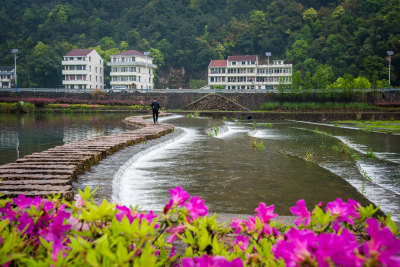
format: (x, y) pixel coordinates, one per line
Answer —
(29, 133)
(226, 170)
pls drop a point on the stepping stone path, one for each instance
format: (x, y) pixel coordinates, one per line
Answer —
(53, 171)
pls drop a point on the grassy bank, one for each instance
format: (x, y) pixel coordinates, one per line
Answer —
(391, 126)
(17, 107)
(71, 108)
(26, 107)
(289, 106)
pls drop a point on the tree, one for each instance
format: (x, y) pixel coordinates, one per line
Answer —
(307, 82)
(361, 83)
(323, 76)
(297, 81)
(310, 15)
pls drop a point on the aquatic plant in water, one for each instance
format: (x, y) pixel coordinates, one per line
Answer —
(309, 155)
(36, 231)
(365, 177)
(371, 154)
(214, 131)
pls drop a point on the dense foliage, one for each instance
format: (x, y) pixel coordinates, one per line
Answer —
(324, 39)
(41, 232)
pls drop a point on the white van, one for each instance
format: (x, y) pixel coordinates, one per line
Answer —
(118, 89)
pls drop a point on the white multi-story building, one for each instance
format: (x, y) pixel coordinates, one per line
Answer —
(83, 69)
(132, 69)
(6, 76)
(245, 72)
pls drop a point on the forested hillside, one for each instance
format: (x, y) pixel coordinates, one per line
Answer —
(323, 39)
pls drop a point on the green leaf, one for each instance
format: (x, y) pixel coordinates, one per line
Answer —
(391, 224)
(367, 212)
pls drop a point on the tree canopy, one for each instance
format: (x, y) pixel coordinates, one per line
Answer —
(345, 37)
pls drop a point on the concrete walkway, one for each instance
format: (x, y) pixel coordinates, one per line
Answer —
(52, 171)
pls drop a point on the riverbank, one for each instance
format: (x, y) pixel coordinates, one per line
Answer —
(314, 116)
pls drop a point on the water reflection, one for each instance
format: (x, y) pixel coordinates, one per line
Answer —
(26, 134)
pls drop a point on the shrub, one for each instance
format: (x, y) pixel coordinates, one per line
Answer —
(43, 232)
(98, 94)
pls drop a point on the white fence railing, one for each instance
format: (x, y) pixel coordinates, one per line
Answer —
(201, 91)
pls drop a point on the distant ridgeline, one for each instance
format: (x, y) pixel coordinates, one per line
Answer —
(324, 40)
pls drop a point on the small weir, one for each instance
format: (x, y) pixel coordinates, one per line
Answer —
(53, 171)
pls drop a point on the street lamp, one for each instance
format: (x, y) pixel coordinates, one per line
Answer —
(147, 85)
(390, 54)
(15, 51)
(267, 54)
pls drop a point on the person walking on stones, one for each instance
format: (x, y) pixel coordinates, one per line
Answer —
(155, 107)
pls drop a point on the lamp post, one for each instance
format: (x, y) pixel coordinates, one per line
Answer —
(267, 54)
(390, 54)
(15, 51)
(147, 85)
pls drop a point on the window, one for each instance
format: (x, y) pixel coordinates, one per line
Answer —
(122, 59)
(79, 67)
(133, 59)
(243, 62)
(71, 58)
(80, 86)
(90, 59)
(114, 59)
(79, 58)
(95, 69)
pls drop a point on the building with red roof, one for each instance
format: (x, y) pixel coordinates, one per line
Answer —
(132, 69)
(83, 69)
(244, 72)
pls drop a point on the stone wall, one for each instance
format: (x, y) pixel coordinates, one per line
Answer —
(249, 100)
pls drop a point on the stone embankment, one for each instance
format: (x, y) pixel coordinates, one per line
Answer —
(53, 171)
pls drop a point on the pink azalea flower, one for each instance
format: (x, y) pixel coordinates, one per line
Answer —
(297, 248)
(178, 197)
(265, 213)
(211, 261)
(172, 254)
(242, 242)
(23, 202)
(339, 249)
(8, 212)
(345, 212)
(149, 217)
(196, 207)
(175, 231)
(301, 211)
(238, 225)
(77, 225)
(124, 211)
(383, 244)
(26, 224)
(79, 201)
(251, 223)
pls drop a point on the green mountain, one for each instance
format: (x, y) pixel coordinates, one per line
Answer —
(347, 37)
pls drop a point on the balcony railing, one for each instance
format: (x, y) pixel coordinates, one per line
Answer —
(135, 63)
